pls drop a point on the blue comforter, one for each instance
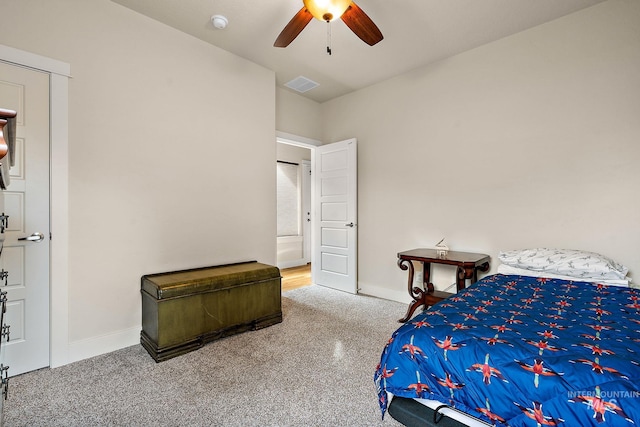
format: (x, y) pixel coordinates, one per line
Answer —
(523, 351)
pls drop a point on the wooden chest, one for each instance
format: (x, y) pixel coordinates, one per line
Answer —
(183, 310)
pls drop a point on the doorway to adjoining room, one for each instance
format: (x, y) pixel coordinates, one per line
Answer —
(294, 215)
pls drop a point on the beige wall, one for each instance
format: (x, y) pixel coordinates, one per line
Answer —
(533, 140)
(169, 161)
(528, 141)
(293, 154)
(297, 115)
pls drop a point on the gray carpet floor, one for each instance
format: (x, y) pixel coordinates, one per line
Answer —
(313, 369)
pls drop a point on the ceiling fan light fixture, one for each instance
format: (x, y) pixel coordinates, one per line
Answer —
(327, 10)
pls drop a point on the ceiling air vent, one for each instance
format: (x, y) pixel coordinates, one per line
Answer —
(301, 84)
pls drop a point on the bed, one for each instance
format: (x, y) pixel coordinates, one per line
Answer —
(526, 349)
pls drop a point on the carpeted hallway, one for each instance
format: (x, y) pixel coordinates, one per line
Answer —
(313, 369)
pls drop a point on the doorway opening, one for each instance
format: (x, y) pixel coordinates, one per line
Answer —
(333, 246)
(294, 248)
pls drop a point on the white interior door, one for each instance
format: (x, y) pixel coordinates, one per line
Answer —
(335, 236)
(26, 201)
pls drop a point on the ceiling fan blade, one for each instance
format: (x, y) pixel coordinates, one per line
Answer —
(361, 25)
(293, 28)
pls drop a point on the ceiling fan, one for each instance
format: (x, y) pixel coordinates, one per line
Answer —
(327, 11)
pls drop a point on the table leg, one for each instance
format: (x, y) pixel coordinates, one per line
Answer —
(484, 268)
(426, 275)
(469, 273)
(416, 293)
(463, 275)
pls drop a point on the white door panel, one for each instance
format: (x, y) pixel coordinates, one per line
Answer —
(334, 263)
(333, 160)
(335, 237)
(12, 260)
(334, 186)
(335, 220)
(14, 207)
(26, 201)
(334, 212)
(17, 170)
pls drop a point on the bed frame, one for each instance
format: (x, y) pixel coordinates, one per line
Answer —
(431, 413)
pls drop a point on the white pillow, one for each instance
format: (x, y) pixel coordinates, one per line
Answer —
(507, 269)
(567, 262)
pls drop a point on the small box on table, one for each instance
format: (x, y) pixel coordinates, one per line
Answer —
(183, 310)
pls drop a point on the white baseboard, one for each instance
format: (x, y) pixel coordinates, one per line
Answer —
(399, 295)
(95, 346)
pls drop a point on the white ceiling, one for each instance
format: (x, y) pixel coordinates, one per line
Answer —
(416, 33)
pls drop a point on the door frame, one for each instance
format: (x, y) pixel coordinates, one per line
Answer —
(59, 74)
(311, 144)
(306, 183)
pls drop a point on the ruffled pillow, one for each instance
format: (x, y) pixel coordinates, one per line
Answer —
(567, 262)
(508, 270)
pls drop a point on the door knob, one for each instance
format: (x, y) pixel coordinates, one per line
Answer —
(350, 224)
(35, 237)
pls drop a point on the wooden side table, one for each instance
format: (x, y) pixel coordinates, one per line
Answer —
(468, 264)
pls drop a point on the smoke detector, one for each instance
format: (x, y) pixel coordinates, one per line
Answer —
(220, 22)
